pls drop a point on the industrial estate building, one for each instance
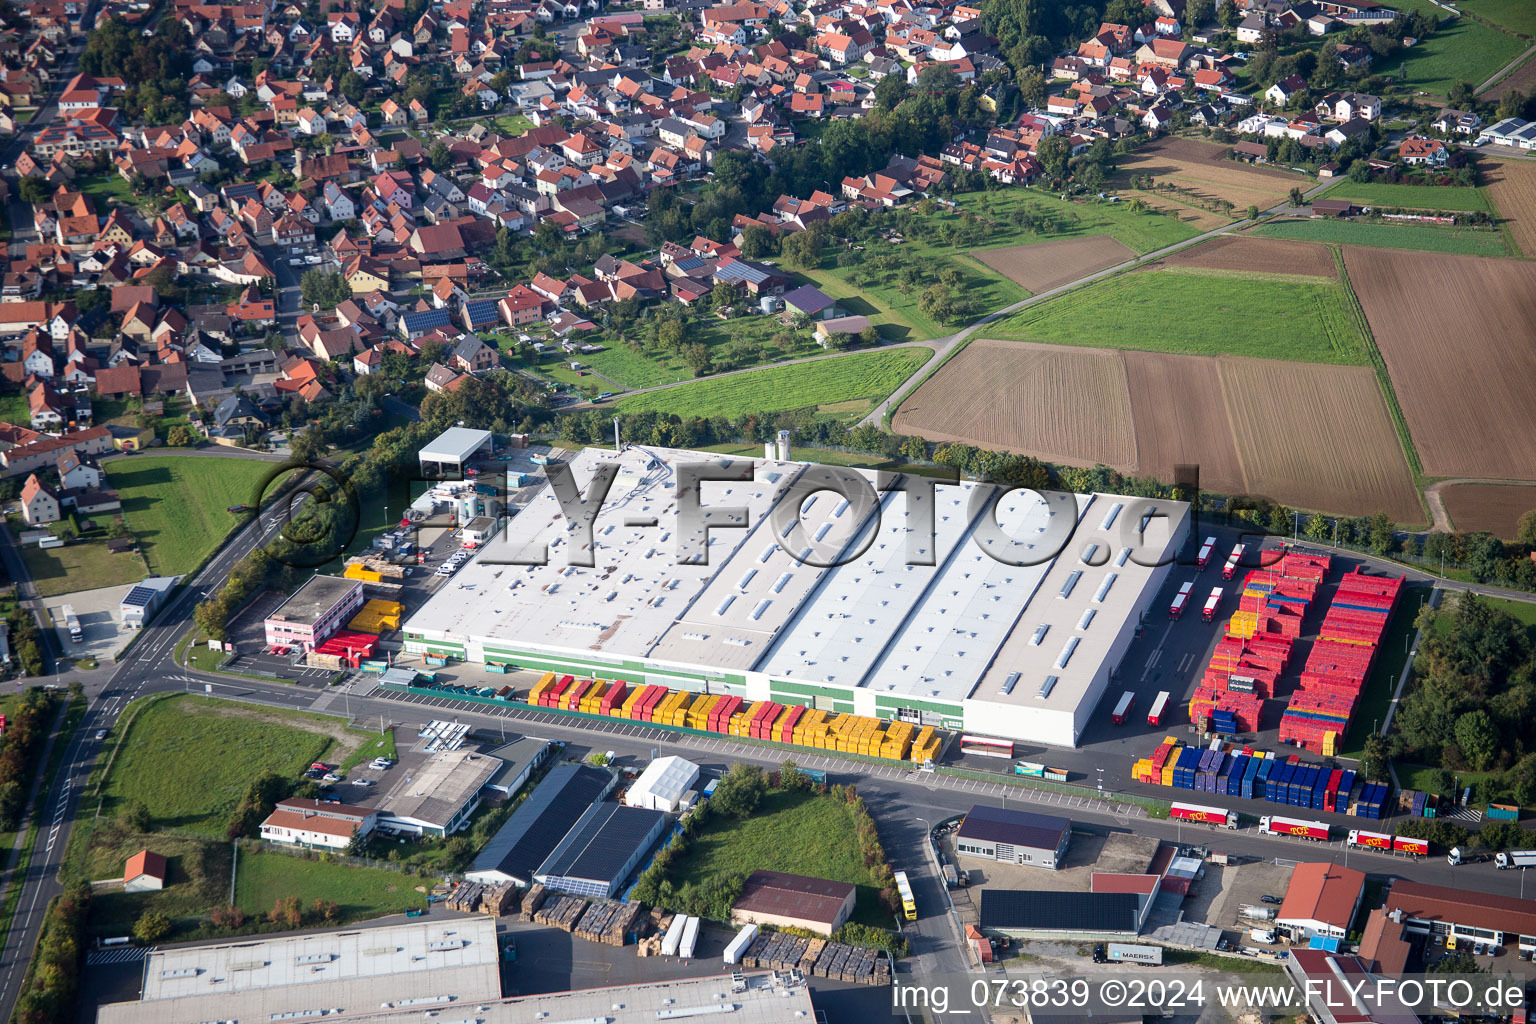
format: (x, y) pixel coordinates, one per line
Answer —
(439, 799)
(315, 611)
(519, 758)
(602, 849)
(1321, 900)
(965, 638)
(1013, 836)
(298, 977)
(1052, 913)
(528, 838)
(794, 901)
(1469, 916)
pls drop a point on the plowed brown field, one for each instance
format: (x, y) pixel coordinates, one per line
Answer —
(1181, 418)
(1321, 427)
(1259, 255)
(1204, 168)
(1046, 265)
(1063, 404)
(1313, 436)
(1512, 187)
(1492, 507)
(1458, 334)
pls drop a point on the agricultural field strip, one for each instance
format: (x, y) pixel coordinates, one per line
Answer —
(1469, 413)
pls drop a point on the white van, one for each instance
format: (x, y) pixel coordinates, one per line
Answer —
(1263, 935)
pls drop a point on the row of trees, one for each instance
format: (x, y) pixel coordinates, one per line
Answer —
(53, 981)
(26, 731)
(155, 67)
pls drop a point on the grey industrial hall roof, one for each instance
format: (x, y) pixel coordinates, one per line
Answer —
(536, 828)
(1054, 910)
(314, 599)
(602, 842)
(515, 756)
(1019, 828)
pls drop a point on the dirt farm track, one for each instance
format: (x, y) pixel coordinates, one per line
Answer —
(1045, 265)
(1312, 436)
(1458, 334)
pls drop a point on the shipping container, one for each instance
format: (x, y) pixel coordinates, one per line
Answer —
(1502, 812)
(1120, 953)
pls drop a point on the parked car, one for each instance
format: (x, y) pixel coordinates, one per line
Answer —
(1271, 899)
(331, 777)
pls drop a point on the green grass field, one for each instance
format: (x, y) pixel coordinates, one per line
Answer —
(862, 375)
(14, 409)
(190, 759)
(1412, 197)
(1144, 232)
(263, 878)
(1198, 314)
(197, 878)
(175, 503)
(1461, 50)
(1515, 15)
(881, 298)
(1465, 241)
(80, 565)
(799, 833)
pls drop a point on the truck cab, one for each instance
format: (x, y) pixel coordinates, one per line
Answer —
(1453, 857)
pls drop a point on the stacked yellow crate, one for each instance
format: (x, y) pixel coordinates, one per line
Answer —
(1243, 624)
(666, 710)
(898, 740)
(699, 712)
(926, 746)
(545, 682)
(741, 721)
(874, 738)
(628, 710)
(1168, 765)
(811, 725)
(592, 700)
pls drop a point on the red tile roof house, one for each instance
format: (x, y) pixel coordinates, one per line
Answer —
(144, 872)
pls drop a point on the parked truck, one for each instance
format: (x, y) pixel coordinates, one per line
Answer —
(1122, 953)
(1208, 613)
(1233, 561)
(1159, 710)
(1205, 552)
(1362, 839)
(1256, 912)
(1180, 600)
(1516, 859)
(1278, 826)
(72, 623)
(1203, 815)
(1123, 708)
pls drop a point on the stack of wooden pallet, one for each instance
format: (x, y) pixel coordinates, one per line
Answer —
(532, 902)
(563, 912)
(466, 898)
(499, 900)
(608, 922)
(858, 964)
(811, 955)
(653, 928)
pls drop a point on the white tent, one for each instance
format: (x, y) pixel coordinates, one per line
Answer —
(662, 785)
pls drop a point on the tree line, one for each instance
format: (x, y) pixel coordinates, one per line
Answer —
(26, 731)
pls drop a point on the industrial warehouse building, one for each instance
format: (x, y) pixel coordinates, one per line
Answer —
(1051, 913)
(1013, 836)
(1321, 899)
(301, 977)
(439, 799)
(602, 849)
(961, 639)
(522, 845)
(315, 611)
(519, 758)
(794, 901)
(1470, 916)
